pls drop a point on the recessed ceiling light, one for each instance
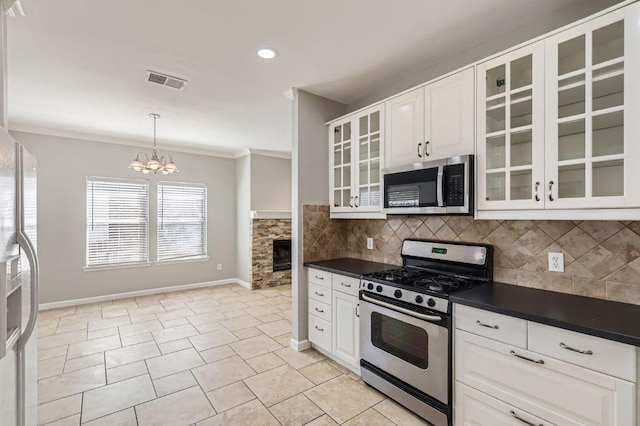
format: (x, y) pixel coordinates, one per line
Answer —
(267, 53)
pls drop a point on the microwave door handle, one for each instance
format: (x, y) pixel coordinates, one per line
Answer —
(439, 189)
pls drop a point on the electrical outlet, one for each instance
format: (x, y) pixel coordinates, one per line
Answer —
(369, 243)
(219, 266)
(556, 262)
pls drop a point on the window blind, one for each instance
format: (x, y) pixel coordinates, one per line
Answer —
(117, 221)
(182, 221)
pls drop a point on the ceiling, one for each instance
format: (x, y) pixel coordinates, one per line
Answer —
(78, 67)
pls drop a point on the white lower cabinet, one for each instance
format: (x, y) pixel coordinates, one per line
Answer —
(499, 383)
(346, 328)
(334, 326)
(475, 408)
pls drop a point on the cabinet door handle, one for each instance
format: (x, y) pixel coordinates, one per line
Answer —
(356, 201)
(569, 348)
(539, 361)
(320, 310)
(319, 278)
(345, 285)
(495, 327)
(426, 149)
(419, 145)
(537, 197)
(319, 329)
(351, 202)
(551, 190)
(520, 419)
(358, 310)
(319, 294)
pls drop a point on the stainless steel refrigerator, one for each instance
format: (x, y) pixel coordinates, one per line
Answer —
(18, 284)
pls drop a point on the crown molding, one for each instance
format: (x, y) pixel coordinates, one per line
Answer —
(290, 93)
(264, 152)
(116, 141)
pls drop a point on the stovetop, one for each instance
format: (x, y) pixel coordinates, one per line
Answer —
(422, 281)
(432, 270)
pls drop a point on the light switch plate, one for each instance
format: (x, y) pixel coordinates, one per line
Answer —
(369, 243)
(556, 262)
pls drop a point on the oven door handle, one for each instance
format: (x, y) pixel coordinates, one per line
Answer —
(403, 310)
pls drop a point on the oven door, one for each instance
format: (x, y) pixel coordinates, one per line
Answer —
(412, 349)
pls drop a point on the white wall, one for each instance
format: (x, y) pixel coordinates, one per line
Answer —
(309, 158)
(243, 185)
(477, 52)
(64, 164)
(270, 183)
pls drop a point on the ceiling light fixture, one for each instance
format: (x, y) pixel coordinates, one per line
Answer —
(267, 53)
(155, 164)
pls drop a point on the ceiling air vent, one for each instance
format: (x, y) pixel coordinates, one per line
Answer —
(165, 80)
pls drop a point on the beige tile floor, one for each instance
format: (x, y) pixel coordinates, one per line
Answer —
(213, 356)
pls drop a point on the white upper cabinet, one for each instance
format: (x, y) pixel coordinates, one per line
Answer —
(557, 124)
(592, 113)
(449, 116)
(432, 122)
(356, 147)
(510, 148)
(405, 128)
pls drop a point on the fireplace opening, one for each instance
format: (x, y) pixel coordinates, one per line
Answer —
(281, 255)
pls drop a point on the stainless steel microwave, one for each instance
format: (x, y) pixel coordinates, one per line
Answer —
(434, 187)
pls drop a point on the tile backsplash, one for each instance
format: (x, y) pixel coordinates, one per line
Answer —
(602, 258)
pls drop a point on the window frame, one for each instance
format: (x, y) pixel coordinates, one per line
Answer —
(89, 217)
(204, 256)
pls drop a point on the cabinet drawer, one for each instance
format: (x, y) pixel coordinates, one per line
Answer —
(476, 408)
(320, 293)
(319, 309)
(554, 390)
(317, 276)
(613, 358)
(489, 324)
(320, 332)
(346, 284)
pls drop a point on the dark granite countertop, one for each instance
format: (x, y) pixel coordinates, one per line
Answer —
(350, 266)
(610, 320)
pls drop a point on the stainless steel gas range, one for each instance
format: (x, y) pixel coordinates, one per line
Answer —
(405, 323)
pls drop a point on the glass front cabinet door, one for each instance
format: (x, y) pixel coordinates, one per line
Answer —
(593, 115)
(510, 130)
(355, 163)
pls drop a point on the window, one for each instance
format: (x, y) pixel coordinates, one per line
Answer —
(117, 221)
(182, 221)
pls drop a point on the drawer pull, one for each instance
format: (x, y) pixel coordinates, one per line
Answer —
(319, 278)
(539, 361)
(569, 348)
(346, 285)
(319, 329)
(319, 294)
(495, 327)
(526, 422)
(319, 310)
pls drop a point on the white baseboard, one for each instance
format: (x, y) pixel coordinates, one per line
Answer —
(96, 299)
(300, 345)
(243, 283)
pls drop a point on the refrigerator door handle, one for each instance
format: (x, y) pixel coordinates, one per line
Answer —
(27, 246)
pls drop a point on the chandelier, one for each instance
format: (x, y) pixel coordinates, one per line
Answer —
(155, 164)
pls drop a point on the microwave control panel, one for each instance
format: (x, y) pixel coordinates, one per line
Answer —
(454, 185)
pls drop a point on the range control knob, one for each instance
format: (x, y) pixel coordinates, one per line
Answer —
(379, 288)
(419, 299)
(397, 294)
(370, 286)
(431, 302)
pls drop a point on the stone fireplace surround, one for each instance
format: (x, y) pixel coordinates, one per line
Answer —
(264, 230)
